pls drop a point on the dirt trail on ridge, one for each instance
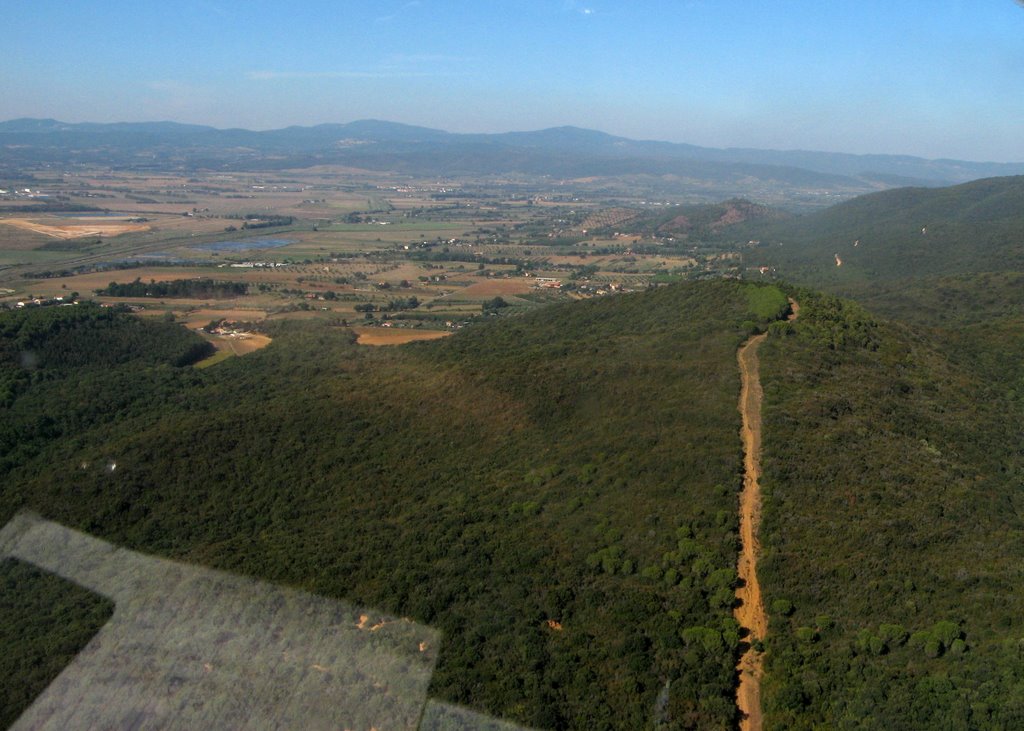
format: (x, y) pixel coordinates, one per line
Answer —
(750, 610)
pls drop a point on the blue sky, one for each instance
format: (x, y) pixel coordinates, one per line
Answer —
(936, 78)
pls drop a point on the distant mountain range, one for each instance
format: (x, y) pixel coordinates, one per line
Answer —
(564, 152)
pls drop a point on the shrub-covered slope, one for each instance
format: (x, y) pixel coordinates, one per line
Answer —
(893, 530)
(901, 234)
(556, 492)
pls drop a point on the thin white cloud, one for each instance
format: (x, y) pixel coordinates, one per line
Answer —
(388, 73)
(279, 75)
(574, 7)
(401, 10)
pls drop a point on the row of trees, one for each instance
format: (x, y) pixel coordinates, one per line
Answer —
(201, 288)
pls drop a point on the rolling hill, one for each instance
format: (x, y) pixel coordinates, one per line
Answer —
(947, 261)
(892, 525)
(904, 232)
(556, 492)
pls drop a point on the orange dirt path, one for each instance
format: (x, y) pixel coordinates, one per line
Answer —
(750, 611)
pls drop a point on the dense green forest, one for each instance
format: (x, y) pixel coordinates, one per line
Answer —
(176, 288)
(893, 462)
(555, 491)
(66, 369)
(893, 529)
(899, 235)
(46, 343)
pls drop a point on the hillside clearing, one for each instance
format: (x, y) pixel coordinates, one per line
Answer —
(75, 230)
(395, 336)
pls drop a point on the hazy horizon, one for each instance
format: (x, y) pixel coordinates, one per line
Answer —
(935, 80)
(498, 132)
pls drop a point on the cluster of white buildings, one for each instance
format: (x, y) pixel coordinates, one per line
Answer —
(44, 302)
(256, 265)
(23, 193)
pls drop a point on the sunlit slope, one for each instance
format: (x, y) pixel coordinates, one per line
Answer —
(893, 530)
(555, 492)
(899, 234)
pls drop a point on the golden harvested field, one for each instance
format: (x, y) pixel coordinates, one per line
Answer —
(242, 343)
(394, 336)
(16, 238)
(408, 271)
(86, 283)
(77, 230)
(198, 318)
(579, 261)
(492, 287)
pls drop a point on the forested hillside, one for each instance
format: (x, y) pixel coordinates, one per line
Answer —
(65, 369)
(556, 492)
(697, 222)
(893, 529)
(901, 234)
(949, 260)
